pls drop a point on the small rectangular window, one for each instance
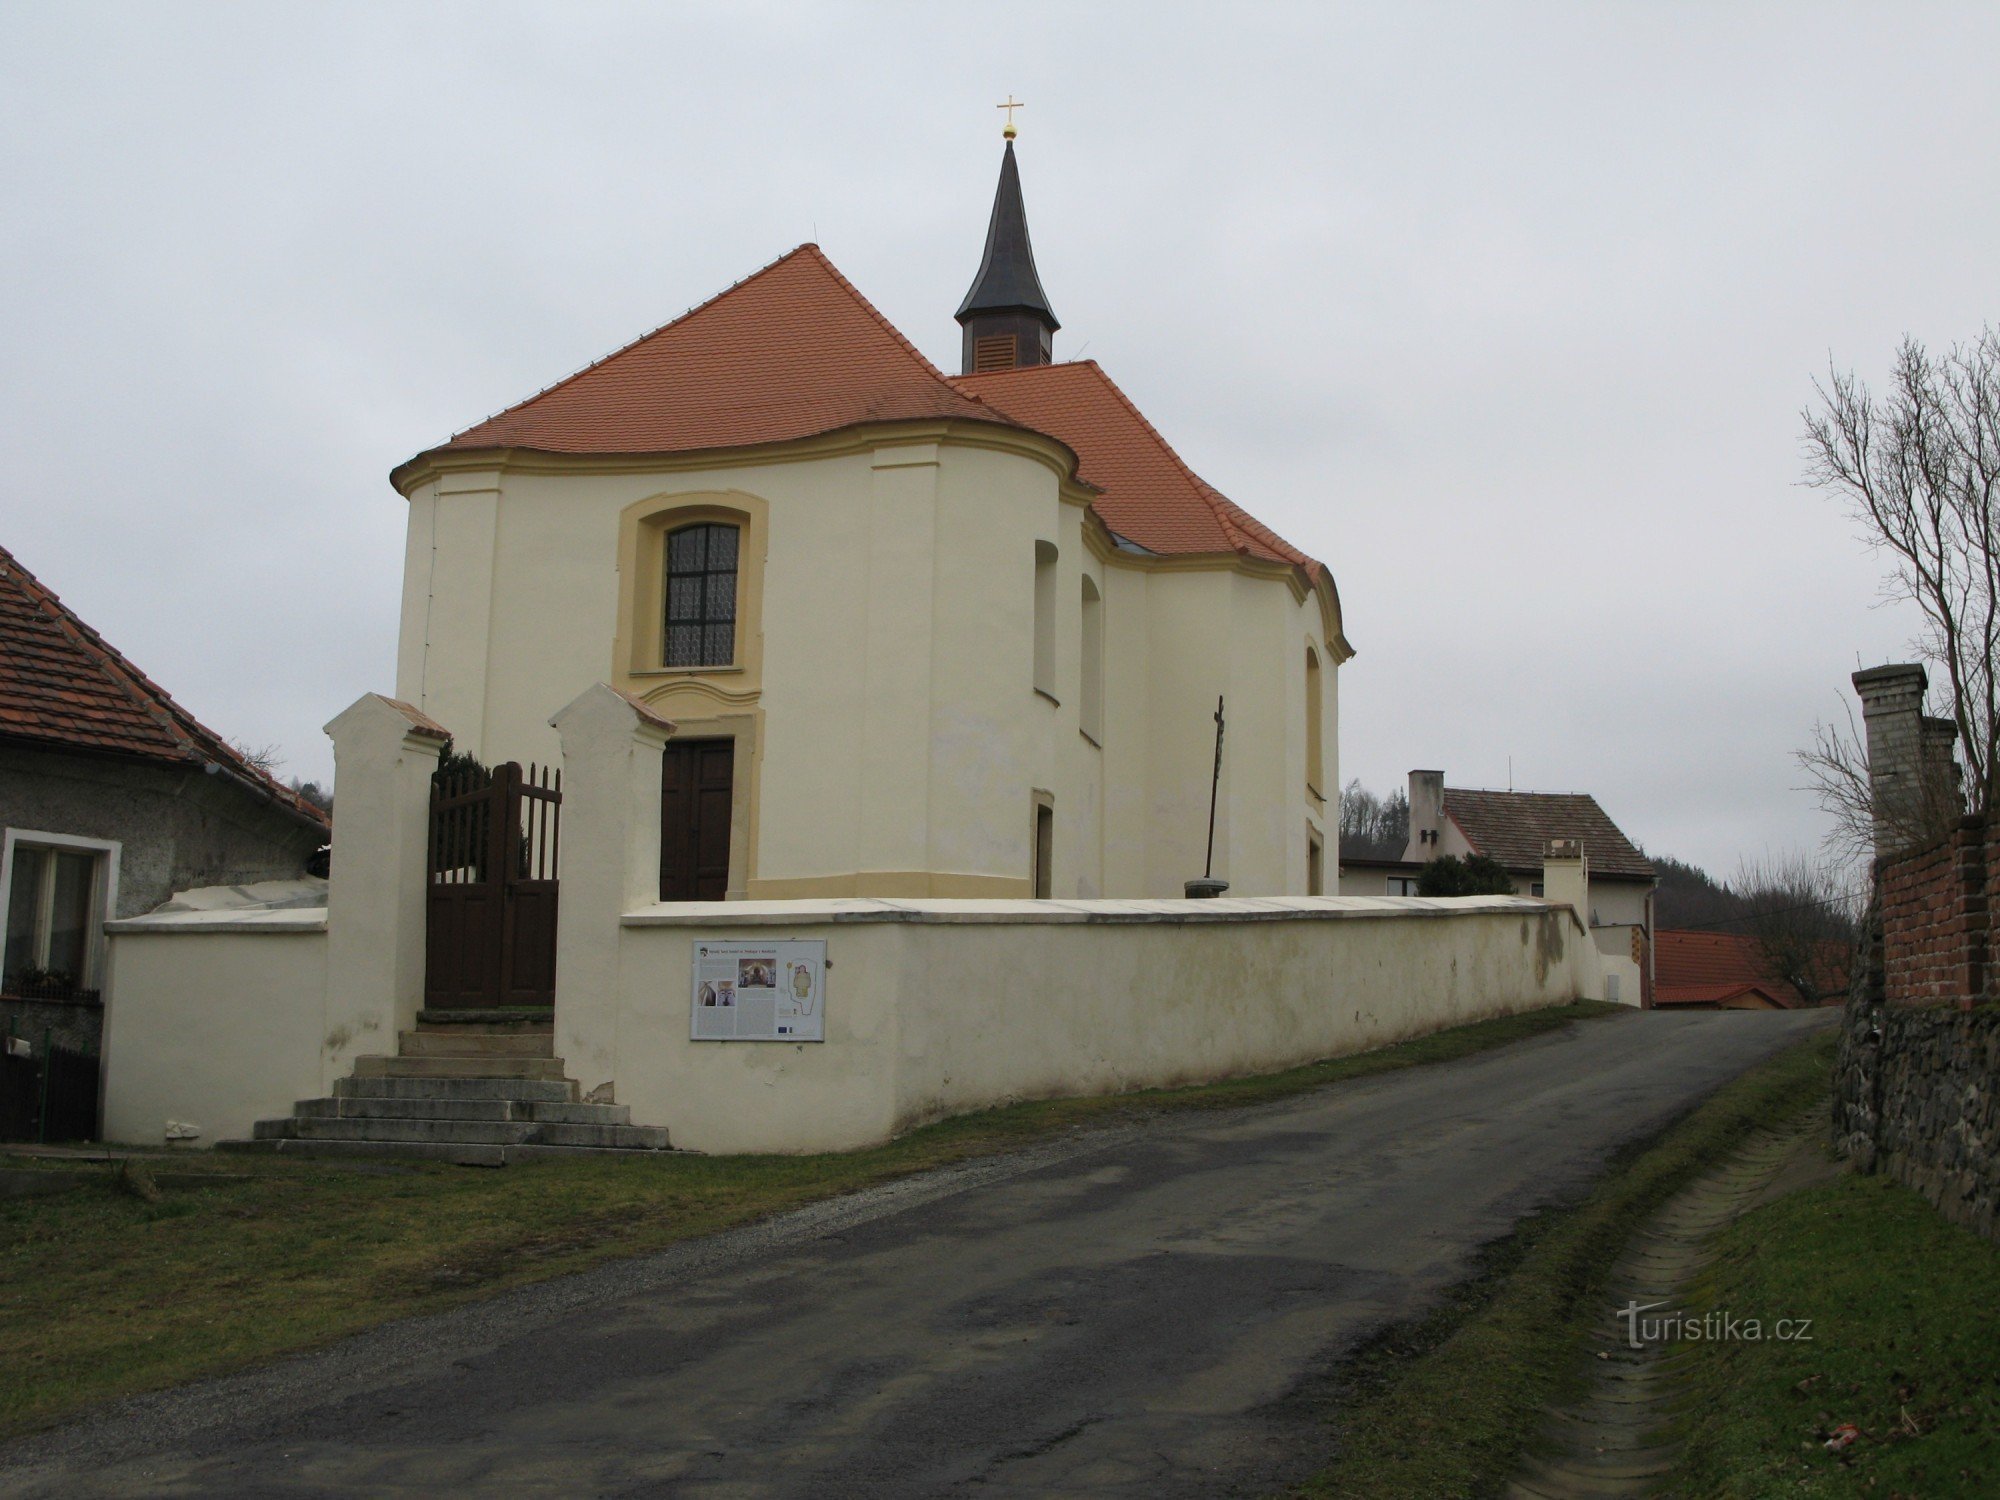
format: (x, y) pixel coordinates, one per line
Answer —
(1402, 885)
(1045, 850)
(51, 918)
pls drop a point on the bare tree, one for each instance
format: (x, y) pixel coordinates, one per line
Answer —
(1373, 827)
(1802, 917)
(265, 758)
(1919, 468)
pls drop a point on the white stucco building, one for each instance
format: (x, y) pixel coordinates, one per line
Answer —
(919, 635)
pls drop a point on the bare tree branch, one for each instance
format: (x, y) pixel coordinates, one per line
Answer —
(1801, 917)
(1919, 469)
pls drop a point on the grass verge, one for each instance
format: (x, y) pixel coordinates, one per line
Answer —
(103, 1294)
(1447, 1405)
(1905, 1325)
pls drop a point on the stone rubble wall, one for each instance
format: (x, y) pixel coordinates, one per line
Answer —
(1917, 1096)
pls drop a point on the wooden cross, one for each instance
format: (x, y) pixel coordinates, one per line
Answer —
(1010, 106)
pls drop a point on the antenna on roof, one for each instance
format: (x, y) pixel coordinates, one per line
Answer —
(1510, 773)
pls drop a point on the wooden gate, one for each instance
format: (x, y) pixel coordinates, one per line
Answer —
(494, 841)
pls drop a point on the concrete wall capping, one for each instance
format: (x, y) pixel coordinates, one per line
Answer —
(1043, 913)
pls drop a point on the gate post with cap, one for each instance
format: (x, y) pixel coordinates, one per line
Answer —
(384, 755)
(611, 745)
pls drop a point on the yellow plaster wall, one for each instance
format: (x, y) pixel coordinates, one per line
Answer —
(890, 740)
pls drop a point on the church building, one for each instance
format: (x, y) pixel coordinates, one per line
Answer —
(919, 635)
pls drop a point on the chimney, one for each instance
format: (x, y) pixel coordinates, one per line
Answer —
(1426, 816)
(1892, 712)
(1566, 877)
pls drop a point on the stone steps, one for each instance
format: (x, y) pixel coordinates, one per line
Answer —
(459, 1041)
(458, 1155)
(513, 1090)
(500, 1111)
(546, 1068)
(462, 1132)
(479, 1088)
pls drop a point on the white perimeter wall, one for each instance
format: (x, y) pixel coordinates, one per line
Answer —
(213, 1026)
(938, 1007)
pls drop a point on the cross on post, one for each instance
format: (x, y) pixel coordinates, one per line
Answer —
(1010, 106)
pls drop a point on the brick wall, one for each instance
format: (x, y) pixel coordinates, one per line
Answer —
(1934, 904)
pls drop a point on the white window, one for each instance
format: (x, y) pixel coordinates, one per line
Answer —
(1402, 885)
(55, 890)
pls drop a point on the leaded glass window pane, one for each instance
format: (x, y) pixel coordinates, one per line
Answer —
(684, 646)
(684, 598)
(701, 596)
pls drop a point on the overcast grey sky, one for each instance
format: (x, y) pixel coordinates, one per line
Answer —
(1506, 311)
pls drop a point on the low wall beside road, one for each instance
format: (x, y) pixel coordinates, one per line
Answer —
(938, 1007)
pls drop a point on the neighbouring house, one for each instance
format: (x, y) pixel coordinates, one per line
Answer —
(112, 798)
(1514, 829)
(1723, 971)
(920, 635)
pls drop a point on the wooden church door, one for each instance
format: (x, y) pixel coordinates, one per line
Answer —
(695, 784)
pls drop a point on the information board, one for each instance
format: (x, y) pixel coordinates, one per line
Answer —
(759, 992)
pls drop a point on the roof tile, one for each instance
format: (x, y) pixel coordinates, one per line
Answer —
(63, 686)
(790, 352)
(1150, 496)
(1515, 828)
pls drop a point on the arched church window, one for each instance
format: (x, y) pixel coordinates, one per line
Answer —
(1315, 712)
(1045, 619)
(701, 595)
(1090, 697)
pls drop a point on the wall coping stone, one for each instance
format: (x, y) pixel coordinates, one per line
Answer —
(197, 923)
(987, 911)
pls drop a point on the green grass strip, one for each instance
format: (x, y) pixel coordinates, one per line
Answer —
(1904, 1313)
(103, 1294)
(1447, 1406)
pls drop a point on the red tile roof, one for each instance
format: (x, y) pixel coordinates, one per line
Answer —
(1690, 968)
(795, 351)
(1515, 828)
(63, 687)
(1720, 995)
(1149, 495)
(790, 352)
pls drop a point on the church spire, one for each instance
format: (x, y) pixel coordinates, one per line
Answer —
(1006, 316)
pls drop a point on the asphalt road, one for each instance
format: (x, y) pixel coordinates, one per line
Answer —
(1144, 1310)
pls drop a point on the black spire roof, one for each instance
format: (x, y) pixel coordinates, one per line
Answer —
(1007, 281)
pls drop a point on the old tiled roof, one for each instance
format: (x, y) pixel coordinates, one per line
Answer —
(1515, 828)
(791, 352)
(1779, 996)
(795, 351)
(1149, 495)
(1697, 968)
(63, 687)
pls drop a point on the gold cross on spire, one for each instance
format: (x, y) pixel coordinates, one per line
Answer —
(1010, 106)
